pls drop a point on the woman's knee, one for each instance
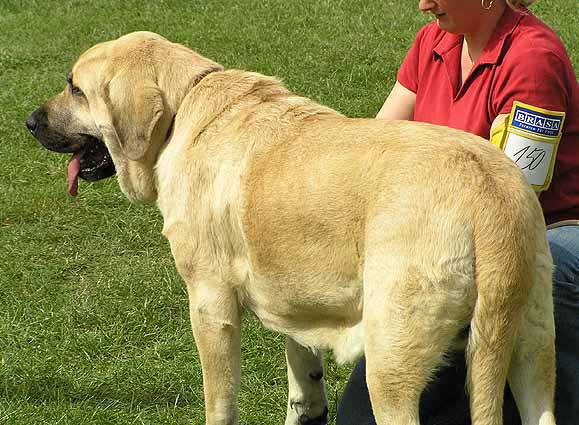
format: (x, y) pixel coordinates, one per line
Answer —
(564, 244)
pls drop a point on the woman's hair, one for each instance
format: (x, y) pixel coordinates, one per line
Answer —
(519, 4)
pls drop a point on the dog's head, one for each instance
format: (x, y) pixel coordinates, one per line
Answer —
(117, 109)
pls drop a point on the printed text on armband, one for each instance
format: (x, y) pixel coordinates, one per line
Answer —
(538, 121)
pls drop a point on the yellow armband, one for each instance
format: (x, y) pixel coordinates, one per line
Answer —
(530, 137)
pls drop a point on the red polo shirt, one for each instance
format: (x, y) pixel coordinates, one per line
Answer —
(523, 61)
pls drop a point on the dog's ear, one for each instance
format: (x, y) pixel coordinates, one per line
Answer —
(135, 105)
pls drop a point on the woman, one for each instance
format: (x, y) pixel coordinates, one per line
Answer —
(466, 70)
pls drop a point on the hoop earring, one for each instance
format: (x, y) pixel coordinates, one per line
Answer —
(490, 5)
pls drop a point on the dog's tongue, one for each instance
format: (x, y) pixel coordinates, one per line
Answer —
(73, 172)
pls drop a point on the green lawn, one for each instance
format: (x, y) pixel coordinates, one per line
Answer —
(94, 326)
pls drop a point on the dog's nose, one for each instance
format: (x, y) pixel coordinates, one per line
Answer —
(32, 124)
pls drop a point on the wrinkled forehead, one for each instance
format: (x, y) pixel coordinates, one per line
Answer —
(104, 60)
(105, 57)
(91, 64)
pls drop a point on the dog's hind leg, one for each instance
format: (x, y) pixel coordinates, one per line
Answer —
(506, 329)
(532, 372)
(412, 313)
(307, 403)
(488, 355)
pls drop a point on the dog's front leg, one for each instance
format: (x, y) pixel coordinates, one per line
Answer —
(307, 403)
(215, 318)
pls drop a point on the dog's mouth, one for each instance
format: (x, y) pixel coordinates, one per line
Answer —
(93, 162)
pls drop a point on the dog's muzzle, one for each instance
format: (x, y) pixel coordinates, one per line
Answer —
(91, 159)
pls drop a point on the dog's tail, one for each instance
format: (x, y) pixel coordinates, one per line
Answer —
(512, 329)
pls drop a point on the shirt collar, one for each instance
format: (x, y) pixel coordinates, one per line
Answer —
(494, 48)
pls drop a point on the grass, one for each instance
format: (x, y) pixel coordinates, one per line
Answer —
(94, 325)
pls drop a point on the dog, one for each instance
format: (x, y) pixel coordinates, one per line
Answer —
(387, 238)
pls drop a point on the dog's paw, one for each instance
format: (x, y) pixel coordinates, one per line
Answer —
(319, 420)
(298, 414)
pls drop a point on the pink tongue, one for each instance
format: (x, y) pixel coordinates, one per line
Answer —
(73, 172)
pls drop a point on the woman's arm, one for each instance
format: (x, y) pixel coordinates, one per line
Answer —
(399, 104)
(497, 122)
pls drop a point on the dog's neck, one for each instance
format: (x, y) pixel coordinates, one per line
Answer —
(204, 74)
(169, 130)
(194, 82)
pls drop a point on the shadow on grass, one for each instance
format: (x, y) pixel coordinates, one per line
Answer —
(60, 390)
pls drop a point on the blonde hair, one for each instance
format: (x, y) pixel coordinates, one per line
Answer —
(519, 4)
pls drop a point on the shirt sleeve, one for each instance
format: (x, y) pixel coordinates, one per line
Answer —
(537, 78)
(408, 74)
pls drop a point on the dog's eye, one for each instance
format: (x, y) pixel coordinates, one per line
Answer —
(76, 91)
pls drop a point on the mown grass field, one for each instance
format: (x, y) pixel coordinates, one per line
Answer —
(94, 326)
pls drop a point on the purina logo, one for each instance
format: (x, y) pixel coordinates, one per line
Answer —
(537, 122)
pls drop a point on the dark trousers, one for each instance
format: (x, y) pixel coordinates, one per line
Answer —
(444, 402)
